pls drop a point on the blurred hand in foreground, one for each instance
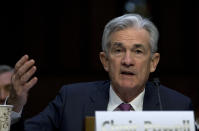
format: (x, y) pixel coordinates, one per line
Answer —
(22, 81)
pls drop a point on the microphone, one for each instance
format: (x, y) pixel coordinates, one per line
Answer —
(156, 83)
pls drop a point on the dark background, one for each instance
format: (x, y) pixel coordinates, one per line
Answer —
(64, 38)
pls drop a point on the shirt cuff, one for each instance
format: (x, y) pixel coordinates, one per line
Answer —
(15, 116)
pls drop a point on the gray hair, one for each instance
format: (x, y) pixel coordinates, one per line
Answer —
(5, 68)
(126, 21)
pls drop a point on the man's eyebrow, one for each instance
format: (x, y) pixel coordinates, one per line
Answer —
(138, 46)
(135, 46)
(117, 44)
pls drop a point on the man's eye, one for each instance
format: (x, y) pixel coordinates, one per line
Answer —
(138, 51)
(117, 50)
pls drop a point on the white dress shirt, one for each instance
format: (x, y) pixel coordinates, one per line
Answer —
(115, 101)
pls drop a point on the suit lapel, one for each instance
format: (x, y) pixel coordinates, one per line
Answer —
(99, 98)
(151, 100)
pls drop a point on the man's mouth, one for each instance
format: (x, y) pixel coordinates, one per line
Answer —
(129, 73)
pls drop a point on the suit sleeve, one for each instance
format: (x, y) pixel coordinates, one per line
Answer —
(50, 118)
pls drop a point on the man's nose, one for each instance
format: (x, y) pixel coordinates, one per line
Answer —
(127, 60)
(3, 94)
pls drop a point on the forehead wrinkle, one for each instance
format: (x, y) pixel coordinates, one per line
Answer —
(129, 37)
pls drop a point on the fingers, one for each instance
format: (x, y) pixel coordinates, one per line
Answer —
(21, 62)
(31, 83)
(25, 67)
(21, 78)
(28, 74)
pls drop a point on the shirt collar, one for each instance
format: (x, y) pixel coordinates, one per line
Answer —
(115, 101)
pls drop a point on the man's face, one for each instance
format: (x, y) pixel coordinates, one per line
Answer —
(5, 82)
(129, 61)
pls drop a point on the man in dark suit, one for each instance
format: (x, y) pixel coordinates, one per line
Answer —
(129, 55)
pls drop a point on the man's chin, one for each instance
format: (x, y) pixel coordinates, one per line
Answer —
(127, 85)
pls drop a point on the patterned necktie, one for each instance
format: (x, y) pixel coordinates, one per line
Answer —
(125, 107)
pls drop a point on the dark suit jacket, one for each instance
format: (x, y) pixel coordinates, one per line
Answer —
(74, 102)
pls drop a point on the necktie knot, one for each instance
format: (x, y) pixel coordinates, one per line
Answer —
(125, 107)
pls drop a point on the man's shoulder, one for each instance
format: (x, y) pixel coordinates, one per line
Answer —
(165, 91)
(84, 87)
(170, 98)
(86, 84)
(80, 93)
(175, 98)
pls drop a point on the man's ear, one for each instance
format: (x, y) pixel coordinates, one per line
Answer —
(104, 60)
(154, 62)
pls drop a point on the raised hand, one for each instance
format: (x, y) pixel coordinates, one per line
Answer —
(22, 82)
